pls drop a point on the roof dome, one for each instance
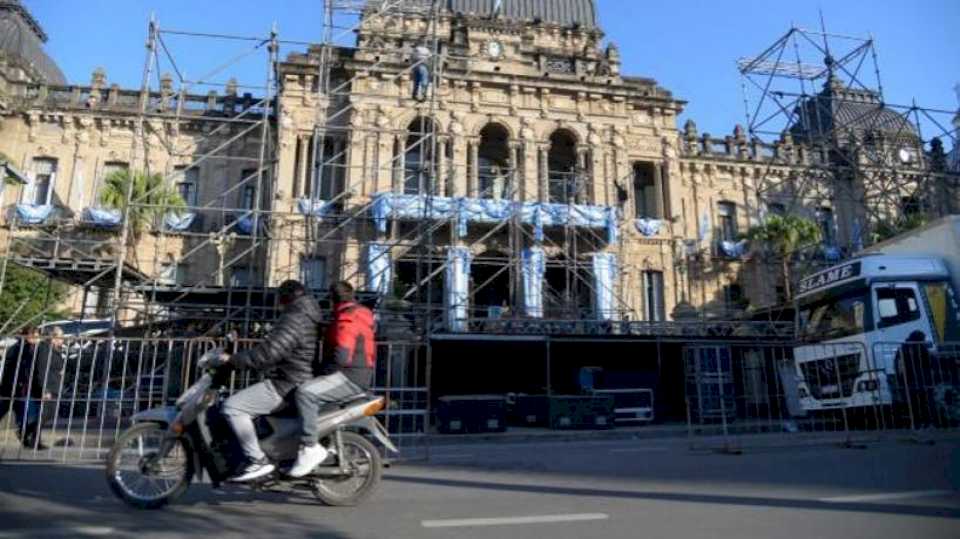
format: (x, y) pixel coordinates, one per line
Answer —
(844, 112)
(22, 39)
(560, 12)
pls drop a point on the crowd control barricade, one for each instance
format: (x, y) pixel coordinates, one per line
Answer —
(67, 401)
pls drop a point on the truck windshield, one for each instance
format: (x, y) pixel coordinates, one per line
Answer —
(834, 317)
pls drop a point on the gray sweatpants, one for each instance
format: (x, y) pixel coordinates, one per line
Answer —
(316, 393)
(240, 409)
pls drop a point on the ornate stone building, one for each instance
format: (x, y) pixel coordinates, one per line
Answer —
(530, 175)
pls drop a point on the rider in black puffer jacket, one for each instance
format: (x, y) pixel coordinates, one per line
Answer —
(285, 355)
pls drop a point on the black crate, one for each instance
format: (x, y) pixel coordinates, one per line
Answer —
(458, 414)
(531, 411)
(575, 412)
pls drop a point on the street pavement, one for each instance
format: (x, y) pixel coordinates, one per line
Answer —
(601, 489)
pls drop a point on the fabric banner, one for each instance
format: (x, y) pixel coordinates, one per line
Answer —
(648, 227)
(314, 207)
(734, 249)
(34, 214)
(463, 211)
(604, 281)
(533, 269)
(379, 268)
(457, 288)
(178, 221)
(102, 217)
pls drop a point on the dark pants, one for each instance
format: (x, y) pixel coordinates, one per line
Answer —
(27, 415)
(313, 395)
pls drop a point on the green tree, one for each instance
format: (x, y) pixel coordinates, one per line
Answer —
(887, 229)
(785, 235)
(29, 288)
(151, 198)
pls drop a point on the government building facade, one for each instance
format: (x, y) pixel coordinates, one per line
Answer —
(473, 161)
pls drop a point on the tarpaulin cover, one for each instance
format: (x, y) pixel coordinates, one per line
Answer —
(457, 288)
(533, 269)
(604, 280)
(378, 268)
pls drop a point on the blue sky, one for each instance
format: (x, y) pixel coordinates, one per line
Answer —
(690, 47)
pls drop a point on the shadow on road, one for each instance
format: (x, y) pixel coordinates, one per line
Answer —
(70, 498)
(713, 499)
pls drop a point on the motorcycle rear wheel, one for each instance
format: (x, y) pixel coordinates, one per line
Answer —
(364, 461)
(137, 477)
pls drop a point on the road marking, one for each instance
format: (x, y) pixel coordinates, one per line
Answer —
(639, 450)
(506, 521)
(905, 495)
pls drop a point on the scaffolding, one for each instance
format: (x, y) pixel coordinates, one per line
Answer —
(840, 150)
(242, 225)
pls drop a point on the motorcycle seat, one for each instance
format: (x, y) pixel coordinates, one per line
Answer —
(289, 408)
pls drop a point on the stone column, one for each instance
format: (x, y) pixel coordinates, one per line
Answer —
(397, 163)
(543, 166)
(658, 188)
(473, 183)
(516, 177)
(440, 187)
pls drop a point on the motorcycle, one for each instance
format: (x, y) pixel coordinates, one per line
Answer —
(155, 460)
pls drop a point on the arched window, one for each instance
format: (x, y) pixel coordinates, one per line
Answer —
(565, 184)
(494, 161)
(418, 160)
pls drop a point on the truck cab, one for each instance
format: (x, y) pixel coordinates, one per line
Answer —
(861, 318)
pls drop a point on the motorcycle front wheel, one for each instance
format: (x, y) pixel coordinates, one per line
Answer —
(139, 475)
(364, 466)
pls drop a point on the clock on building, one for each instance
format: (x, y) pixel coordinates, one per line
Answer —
(494, 50)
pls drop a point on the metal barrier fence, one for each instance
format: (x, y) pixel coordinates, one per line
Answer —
(741, 395)
(68, 399)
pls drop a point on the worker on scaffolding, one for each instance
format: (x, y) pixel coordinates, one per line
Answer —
(421, 70)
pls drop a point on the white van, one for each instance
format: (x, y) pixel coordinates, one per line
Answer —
(856, 317)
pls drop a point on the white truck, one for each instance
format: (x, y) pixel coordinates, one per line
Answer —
(883, 325)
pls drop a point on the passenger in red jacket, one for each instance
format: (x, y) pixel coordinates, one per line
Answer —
(346, 369)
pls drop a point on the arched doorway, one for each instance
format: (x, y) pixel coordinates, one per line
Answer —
(418, 159)
(491, 290)
(494, 162)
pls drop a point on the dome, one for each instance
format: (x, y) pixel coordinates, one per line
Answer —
(22, 39)
(559, 12)
(849, 112)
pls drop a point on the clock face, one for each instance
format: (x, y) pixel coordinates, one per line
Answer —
(905, 155)
(494, 50)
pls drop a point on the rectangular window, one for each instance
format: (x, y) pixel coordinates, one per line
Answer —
(45, 174)
(313, 272)
(896, 306)
(247, 197)
(249, 179)
(653, 294)
(187, 185)
(646, 202)
(727, 221)
(827, 227)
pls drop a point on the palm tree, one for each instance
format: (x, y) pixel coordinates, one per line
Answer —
(151, 198)
(785, 235)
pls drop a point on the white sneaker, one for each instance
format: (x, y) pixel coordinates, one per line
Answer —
(254, 470)
(308, 458)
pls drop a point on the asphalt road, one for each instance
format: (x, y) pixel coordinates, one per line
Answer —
(628, 489)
